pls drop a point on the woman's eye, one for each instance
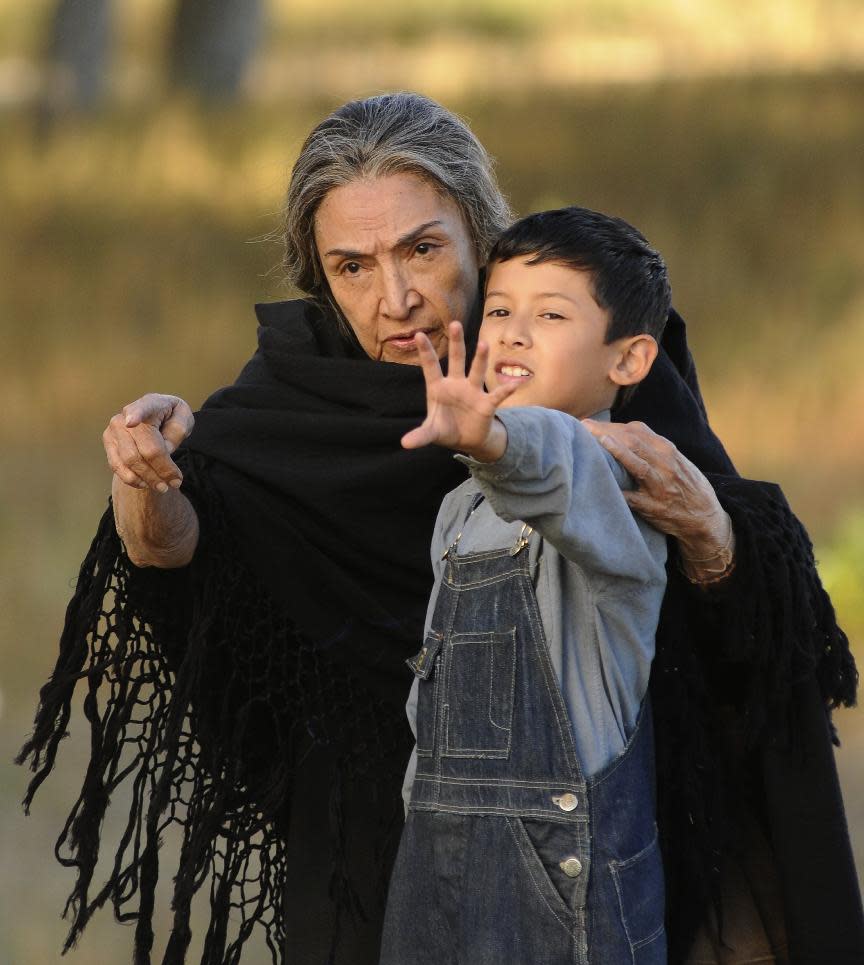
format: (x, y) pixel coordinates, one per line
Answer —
(351, 268)
(423, 248)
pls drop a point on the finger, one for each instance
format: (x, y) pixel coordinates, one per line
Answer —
(129, 455)
(455, 350)
(419, 437)
(641, 503)
(497, 396)
(597, 429)
(178, 427)
(477, 374)
(429, 362)
(152, 408)
(120, 470)
(153, 449)
(638, 468)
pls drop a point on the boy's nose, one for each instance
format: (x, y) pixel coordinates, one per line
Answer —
(516, 331)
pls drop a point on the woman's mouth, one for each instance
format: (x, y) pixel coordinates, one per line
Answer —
(404, 341)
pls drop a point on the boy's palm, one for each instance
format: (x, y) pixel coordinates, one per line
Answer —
(459, 413)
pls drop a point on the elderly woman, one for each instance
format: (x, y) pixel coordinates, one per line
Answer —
(243, 616)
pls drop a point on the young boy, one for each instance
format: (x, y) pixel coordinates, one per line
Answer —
(530, 837)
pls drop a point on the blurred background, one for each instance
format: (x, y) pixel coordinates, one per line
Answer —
(146, 146)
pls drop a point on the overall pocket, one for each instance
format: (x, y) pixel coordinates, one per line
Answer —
(425, 665)
(641, 899)
(480, 682)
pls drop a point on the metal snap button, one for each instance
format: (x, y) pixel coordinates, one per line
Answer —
(567, 802)
(572, 867)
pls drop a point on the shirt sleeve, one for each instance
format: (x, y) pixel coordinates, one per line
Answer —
(555, 476)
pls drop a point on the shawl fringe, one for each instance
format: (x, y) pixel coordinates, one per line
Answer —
(729, 661)
(200, 698)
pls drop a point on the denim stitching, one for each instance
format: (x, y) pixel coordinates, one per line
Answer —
(531, 875)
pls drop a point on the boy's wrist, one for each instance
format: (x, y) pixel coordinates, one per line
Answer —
(494, 445)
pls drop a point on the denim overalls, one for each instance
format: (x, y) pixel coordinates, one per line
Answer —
(509, 856)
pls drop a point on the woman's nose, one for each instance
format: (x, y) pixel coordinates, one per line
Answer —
(397, 295)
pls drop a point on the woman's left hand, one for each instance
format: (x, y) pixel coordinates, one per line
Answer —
(672, 494)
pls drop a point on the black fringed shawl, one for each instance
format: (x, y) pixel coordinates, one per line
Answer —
(206, 688)
(762, 652)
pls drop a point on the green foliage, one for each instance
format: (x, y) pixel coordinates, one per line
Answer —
(841, 566)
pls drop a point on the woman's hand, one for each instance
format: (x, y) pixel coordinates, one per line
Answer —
(460, 415)
(158, 525)
(139, 441)
(672, 495)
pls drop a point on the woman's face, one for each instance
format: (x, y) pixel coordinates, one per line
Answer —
(399, 259)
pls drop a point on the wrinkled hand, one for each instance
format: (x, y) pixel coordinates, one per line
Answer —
(139, 441)
(672, 494)
(460, 415)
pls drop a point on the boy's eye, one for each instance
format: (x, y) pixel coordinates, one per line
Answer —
(553, 316)
(497, 313)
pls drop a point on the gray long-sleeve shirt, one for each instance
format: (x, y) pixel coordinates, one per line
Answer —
(598, 571)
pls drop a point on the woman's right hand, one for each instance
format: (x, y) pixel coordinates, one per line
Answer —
(140, 439)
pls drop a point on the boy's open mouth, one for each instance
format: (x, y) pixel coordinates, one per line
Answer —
(512, 372)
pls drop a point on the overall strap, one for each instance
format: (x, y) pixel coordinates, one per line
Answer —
(521, 542)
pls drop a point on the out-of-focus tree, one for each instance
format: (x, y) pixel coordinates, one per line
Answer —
(213, 43)
(78, 52)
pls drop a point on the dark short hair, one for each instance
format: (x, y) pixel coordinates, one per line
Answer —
(628, 276)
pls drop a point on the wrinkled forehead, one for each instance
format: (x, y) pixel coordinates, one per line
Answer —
(384, 211)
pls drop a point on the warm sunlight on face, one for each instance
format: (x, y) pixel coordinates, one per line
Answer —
(546, 333)
(399, 260)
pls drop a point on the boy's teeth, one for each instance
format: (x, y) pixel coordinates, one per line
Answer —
(514, 370)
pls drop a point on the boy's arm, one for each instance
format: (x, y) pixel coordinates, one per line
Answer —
(555, 476)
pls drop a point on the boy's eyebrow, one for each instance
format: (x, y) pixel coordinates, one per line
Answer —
(567, 298)
(504, 294)
(402, 242)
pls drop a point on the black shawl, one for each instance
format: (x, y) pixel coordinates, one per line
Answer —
(760, 655)
(208, 688)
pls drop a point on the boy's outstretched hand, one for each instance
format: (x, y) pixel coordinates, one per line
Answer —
(460, 415)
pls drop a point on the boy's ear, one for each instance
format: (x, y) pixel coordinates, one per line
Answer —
(634, 359)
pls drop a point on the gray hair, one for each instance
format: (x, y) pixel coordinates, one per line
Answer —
(380, 136)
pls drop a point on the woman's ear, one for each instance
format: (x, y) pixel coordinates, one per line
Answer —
(634, 359)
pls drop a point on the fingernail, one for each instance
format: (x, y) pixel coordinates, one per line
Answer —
(176, 483)
(162, 487)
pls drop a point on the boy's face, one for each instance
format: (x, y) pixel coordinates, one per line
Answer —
(546, 333)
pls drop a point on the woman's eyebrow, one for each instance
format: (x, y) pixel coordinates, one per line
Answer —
(416, 233)
(403, 242)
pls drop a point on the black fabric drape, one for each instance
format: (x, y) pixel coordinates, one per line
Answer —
(265, 682)
(326, 508)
